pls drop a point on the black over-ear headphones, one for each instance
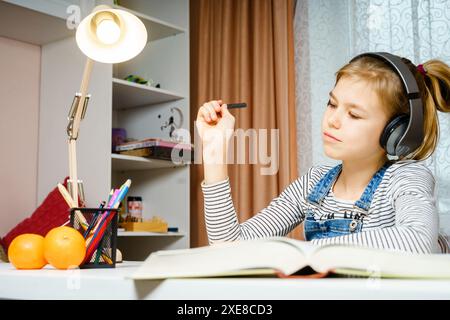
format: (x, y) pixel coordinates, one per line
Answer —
(403, 134)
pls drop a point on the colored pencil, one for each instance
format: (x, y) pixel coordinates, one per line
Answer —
(100, 229)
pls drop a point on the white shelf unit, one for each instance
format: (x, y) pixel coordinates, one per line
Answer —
(34, 22)
(163, 186)
(129, 95)
(142, 111)
(122, 162)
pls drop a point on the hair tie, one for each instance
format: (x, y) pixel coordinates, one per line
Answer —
(422, 69)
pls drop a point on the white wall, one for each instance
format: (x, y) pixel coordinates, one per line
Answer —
(62, 69)
(19, 115)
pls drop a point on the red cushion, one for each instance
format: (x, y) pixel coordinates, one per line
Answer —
(53, 212)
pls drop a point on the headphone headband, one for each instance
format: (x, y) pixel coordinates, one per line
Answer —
(413, 136)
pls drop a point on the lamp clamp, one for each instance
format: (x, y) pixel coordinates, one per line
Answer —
(73, 111)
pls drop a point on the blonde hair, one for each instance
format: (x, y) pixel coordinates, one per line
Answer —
(434, 89)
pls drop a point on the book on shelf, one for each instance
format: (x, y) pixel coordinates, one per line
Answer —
(156, 224)
(289, 258)
(143, 152)
(152, 142)
(162, 153)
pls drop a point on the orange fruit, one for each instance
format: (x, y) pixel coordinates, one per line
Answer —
(26, 251)
(64, 247)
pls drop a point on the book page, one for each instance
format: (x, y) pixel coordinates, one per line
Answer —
(247, 257)
(306, 247)
(354, 260)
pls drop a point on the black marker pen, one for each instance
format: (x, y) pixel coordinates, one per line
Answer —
(236, 105)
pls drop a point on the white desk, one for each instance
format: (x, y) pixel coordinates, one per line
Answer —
(49, 283)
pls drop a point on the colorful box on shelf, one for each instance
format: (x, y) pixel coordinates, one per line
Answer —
(150, 226)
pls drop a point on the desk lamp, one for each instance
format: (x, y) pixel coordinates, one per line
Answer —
(106, 35)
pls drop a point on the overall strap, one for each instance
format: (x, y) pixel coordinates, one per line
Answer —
(322, 187)
(367, 196)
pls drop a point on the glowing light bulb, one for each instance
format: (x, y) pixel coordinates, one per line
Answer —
(111, 35)
(108, 32)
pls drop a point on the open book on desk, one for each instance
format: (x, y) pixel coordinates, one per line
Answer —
(286, 257)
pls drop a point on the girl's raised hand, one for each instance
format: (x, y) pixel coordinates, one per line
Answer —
(214, 118)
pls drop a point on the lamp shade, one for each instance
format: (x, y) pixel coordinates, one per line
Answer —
(111, 36)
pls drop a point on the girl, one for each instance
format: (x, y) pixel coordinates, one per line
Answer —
(368, 199)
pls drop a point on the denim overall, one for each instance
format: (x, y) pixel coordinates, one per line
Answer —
(318, 229)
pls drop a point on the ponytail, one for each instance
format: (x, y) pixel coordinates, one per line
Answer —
(437, 80)
(435, 75)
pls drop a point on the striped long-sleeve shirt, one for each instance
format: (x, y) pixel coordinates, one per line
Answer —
(402, 216)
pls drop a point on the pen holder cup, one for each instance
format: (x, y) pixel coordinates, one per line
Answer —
(106, 258)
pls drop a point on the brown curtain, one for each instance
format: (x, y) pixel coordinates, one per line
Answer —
(243, 51)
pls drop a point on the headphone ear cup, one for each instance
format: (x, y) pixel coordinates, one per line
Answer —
(392, 133)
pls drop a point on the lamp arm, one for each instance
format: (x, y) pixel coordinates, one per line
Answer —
(75, 128)
(83, 93)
